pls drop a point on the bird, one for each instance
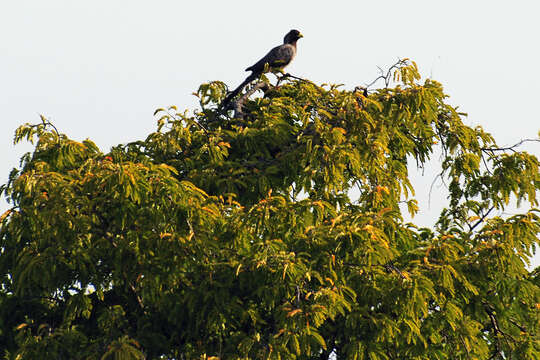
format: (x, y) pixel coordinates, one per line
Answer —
(276, 59)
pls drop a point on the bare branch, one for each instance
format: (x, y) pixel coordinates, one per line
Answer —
(238, 104)
(440, 175)
(388, 76)
(493, 149)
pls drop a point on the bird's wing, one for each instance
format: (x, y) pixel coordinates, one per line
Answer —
(278, 57)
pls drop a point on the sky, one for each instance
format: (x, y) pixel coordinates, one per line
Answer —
(98, 69)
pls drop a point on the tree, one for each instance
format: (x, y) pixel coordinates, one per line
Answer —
(274, 232)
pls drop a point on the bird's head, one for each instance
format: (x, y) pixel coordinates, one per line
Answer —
(292, 36)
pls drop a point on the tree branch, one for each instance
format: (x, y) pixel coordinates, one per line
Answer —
(493, 149)
(387, 77)
(238, 104)
(471, 228)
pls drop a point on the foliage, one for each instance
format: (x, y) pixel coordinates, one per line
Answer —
(277, 233)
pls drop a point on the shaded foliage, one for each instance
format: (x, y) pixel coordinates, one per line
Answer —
(277, 233)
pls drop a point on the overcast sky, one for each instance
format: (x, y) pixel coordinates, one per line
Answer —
(98, 69)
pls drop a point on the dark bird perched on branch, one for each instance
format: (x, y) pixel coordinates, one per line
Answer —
(277, 59)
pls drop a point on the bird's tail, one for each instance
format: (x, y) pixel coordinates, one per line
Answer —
(232, 94)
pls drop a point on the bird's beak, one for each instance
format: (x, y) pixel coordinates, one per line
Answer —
(300, 35)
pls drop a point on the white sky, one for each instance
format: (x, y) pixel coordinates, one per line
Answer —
(99, 68)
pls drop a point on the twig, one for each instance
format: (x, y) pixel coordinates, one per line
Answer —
(46, 122)
(139, 300)
(465, 346)
(495, 325)
(386, 77)
(486, 165)
(391, 267)
(520, 327)
(471, 228)
(174, 116)
(431, 187)
(492, 149)
(288, 75)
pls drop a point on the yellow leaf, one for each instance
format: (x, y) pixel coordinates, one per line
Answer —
(207, 209)
(319, 204)
(406, 275)
(4, 215)
(294, 312)
(158, 110)
(368, 228)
